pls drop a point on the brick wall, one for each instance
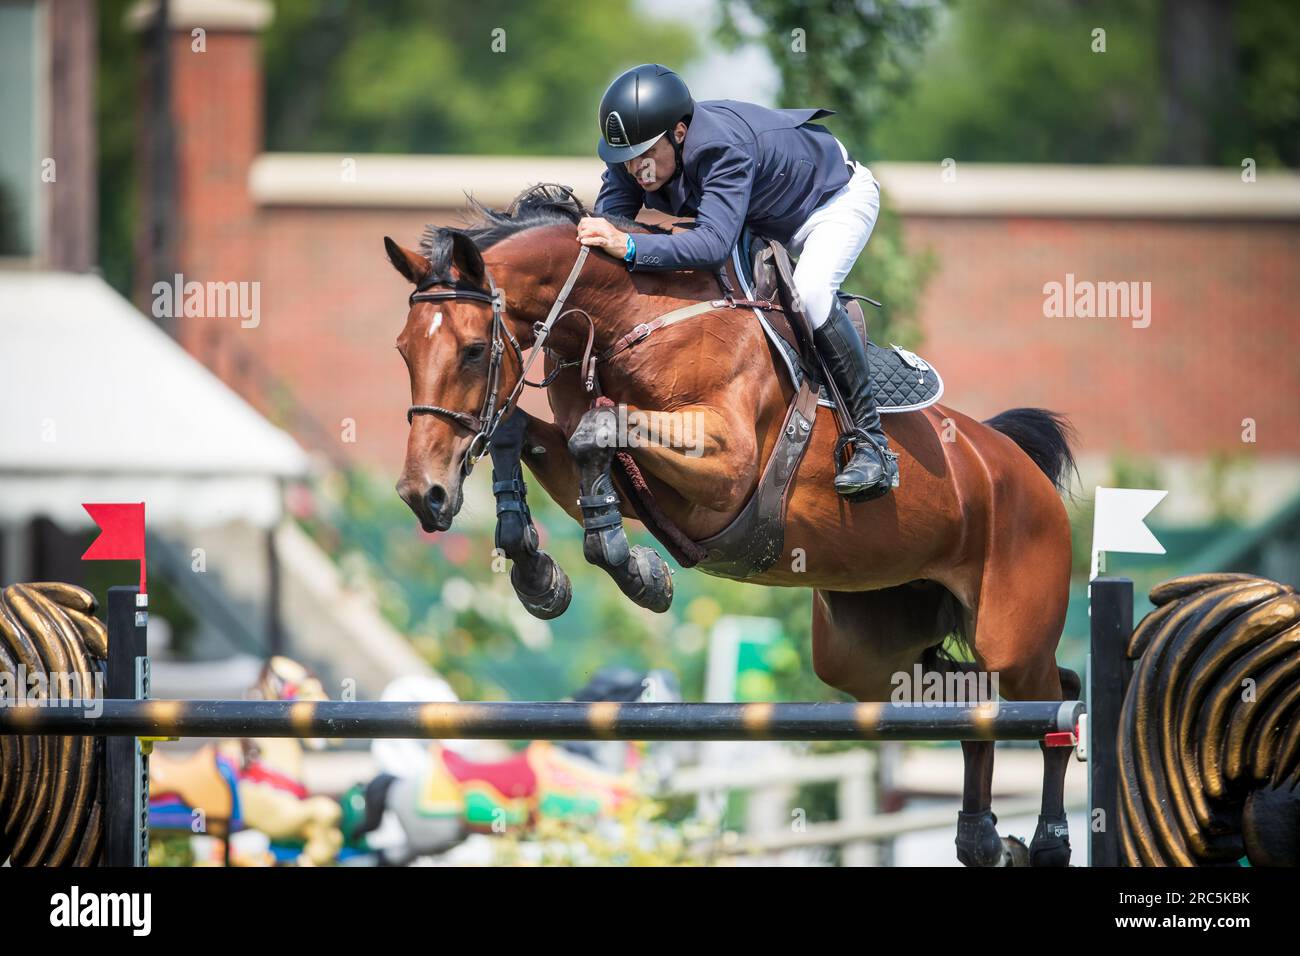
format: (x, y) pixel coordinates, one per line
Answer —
(333, 307)
(216, 105)
(1221, 345)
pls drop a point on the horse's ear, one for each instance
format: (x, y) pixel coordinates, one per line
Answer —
(410, 264)
(467, 259)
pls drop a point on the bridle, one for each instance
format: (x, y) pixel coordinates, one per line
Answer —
(484, 425)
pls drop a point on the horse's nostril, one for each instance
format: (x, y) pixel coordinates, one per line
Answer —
(435, 497)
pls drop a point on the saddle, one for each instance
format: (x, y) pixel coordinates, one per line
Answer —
(901, 380)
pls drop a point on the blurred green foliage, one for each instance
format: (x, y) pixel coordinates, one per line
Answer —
(1028, 82)
(1016, 82)
(839, 56)
(854, 58)
(494, 76)
(116, 130)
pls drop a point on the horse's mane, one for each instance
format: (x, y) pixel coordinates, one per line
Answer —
(546, 204)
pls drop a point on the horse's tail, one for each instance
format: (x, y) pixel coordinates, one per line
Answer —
(1044, 436)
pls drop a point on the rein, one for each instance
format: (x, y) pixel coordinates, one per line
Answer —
(485, 424)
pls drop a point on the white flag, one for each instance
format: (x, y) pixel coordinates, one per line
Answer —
(1117, 523)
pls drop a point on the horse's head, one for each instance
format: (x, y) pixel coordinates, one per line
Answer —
(454, 351)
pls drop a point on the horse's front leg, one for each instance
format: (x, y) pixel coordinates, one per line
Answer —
(540, 582)
(639, 571)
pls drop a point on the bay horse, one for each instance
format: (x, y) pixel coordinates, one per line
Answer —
(975, 544)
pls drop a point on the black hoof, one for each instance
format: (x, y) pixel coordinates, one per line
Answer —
(552, 601)
(978, 843)
(1051, 843)
(647, 579)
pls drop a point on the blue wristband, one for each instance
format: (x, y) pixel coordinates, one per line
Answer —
(631, 250)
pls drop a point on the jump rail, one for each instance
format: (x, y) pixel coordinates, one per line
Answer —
(1025, 720)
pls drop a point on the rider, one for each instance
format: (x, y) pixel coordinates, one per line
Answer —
(731, 164)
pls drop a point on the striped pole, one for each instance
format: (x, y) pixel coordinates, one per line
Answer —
(1021, 720)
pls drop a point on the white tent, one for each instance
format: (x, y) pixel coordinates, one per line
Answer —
(98, 404)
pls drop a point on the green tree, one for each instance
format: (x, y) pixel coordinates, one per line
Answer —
(857, 59)
(1268, 45)
(116, 130)
(493, 76)
(1104, 81)
(1015, 82)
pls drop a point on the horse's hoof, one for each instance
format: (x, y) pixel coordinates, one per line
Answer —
(1051, 843)
(553, 601)
(651, 582)
(978, 843)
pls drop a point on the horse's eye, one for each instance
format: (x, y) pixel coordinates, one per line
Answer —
(473, 353)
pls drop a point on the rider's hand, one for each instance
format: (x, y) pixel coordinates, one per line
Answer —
(593, 231)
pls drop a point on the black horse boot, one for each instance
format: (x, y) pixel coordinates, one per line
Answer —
(873, 469)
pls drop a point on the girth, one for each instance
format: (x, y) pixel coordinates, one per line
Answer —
(755, 538)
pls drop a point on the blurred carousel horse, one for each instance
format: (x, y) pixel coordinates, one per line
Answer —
(253, 784)
(402, 818)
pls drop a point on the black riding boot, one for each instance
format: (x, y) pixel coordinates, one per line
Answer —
(873, 469)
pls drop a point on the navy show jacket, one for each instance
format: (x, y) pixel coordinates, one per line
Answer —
(742, 164)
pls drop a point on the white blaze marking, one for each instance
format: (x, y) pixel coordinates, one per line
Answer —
(433, 326)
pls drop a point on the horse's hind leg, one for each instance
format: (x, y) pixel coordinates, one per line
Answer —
(978, 841)
(862, 639)
(1024, 592)
(1051, 843)
(639, 571)
(540, 582)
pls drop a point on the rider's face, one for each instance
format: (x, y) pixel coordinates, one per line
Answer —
(656, 165)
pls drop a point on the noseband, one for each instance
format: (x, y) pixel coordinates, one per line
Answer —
(484, 425)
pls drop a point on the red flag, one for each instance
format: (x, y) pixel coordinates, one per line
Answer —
(121, 534)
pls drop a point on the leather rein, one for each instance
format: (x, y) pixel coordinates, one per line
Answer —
(489, 417)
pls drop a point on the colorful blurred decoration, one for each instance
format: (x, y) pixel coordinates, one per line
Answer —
(448, 797)
(540, 781)
(456, 548)
(252, 784)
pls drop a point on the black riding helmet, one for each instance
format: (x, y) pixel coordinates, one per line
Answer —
(639, 107)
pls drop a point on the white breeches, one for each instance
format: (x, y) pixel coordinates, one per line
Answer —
(829, 243)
